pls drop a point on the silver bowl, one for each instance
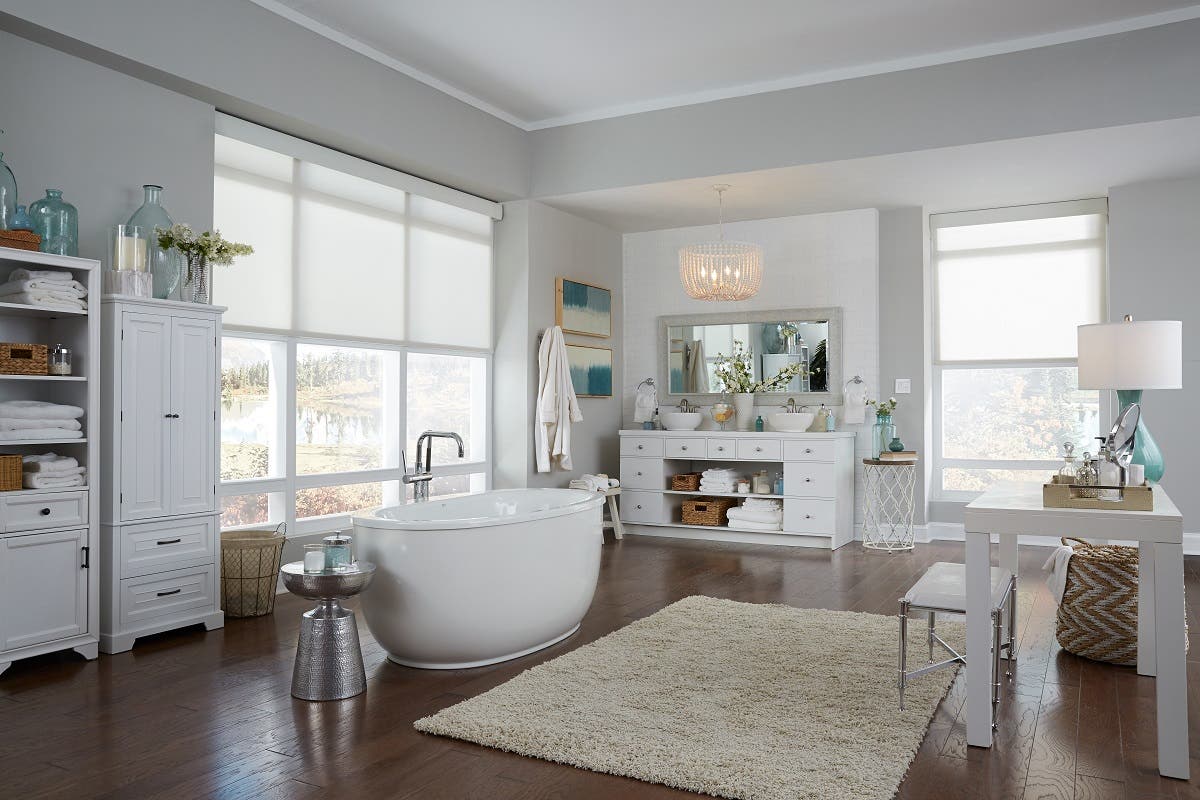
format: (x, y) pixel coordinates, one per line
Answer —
(325, 585)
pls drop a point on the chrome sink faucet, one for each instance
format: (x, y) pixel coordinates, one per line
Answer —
(423, 472)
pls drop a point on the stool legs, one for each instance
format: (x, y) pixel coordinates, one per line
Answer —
(903, 680)
(932, 623)
(618, 528)
(1012, 626)
(329, 662)
(997, 629)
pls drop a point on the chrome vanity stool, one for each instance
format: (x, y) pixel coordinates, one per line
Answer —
(329, 663)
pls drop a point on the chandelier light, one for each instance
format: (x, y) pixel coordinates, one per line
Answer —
(721, 270)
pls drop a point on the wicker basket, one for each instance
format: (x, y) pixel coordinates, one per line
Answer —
(20, 240)
(11, 473)
(23, 359)
(687, 482)
(250, 571)
(708, 511)
(1098, 616)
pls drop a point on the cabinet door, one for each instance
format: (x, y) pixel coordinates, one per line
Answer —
(43, 588)
(145, 403)
(193, 466)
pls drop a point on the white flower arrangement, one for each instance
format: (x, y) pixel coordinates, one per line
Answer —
(736, 372)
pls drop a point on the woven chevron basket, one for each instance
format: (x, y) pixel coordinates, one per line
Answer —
(1097, 618)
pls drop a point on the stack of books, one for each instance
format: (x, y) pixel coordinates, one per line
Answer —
(901, 455)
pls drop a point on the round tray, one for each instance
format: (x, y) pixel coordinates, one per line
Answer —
(324, 585)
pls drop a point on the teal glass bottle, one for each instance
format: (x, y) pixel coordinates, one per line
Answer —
(164, 265)
(57, 222)
(882, 433)
(1145, 450)
(8, 195)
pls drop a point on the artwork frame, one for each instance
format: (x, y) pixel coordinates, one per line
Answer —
(582, 308)
(591, 370)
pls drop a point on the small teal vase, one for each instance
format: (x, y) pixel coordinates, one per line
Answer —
(896, 445)
(1145, 449)
(57, 222)
(20, 220)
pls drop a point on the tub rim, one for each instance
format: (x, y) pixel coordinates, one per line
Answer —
(582, 500)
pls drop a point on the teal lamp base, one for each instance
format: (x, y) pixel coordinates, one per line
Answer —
(1145, 451)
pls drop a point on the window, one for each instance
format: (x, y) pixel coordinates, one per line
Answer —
(1010, 287)
(363, 318)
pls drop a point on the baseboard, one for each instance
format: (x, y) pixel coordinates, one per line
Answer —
(954, 532)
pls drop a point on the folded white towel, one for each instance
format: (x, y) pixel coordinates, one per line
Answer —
(744, 525)
(72, 290)
(61, 473)
(54, 466)
(34, 481)
(18, 424)
(765, 517)
(39, 433)
(723, 488)
(592, 483)
(762, 504)
(22, 274)
(719, 474)
(38, 409)
(43, 300)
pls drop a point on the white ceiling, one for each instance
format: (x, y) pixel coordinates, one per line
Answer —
(540, 63)
(990, 175)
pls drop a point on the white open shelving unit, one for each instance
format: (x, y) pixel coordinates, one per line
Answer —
(48, 537)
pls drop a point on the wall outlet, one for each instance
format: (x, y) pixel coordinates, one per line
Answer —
(903, 386)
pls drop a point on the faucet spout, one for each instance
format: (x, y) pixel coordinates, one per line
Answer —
(423, 472)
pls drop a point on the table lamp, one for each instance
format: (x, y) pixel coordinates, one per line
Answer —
(1130, 357)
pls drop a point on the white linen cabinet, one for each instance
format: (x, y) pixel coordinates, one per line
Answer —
(49, 587)
(159, 515)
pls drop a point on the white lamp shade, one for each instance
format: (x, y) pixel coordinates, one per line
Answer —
(1131, 355)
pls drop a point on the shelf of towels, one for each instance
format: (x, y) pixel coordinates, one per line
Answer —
(45, 289)
(52, 471)
(38, 422)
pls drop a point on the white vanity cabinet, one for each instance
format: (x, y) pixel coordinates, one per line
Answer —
(818, 481)
(159, 515)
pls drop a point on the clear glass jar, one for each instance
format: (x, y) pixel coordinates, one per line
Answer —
(60, 361)
(722, 411)
(8, 195)
(337, 552)
(165, 265)
(1066, 473)
(314, 559)
(57, 222)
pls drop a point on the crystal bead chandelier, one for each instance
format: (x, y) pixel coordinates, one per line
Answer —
(721, 270)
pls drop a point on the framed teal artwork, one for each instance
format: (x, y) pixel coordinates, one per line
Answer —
(582, 309)
(591, 370)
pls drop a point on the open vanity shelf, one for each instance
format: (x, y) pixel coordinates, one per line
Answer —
(818, 482)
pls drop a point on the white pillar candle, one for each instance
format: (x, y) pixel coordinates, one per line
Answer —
(314, 561)
(130, 253)
(1137, 474)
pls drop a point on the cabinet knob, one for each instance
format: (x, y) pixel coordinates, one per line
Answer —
(639, 474)
(808, 480)
(808, 516)
(684, 447)
(45, 512)
(639, 506)
(640, 447)
(720, 449)
(808, 450)
(758, 449)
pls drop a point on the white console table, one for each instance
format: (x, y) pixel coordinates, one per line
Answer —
(818, 482)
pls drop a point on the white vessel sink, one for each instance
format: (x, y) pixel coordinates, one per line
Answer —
(683, 420)
(791, 423)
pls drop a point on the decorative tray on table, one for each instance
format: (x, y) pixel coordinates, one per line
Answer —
(1061, 493)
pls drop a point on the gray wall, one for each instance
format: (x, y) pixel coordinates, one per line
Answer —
(903, 331)
(99, 135)
(1154, 273)
(535, 244)
(254, 64)
(1139, 76)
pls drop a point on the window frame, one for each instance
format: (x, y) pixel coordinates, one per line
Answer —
(938, 366)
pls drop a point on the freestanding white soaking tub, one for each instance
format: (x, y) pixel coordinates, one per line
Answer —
(474, 580)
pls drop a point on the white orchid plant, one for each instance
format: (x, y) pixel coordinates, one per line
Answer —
(210, 245)
(736, 372)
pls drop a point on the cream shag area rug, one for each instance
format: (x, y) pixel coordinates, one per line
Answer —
(729, 699)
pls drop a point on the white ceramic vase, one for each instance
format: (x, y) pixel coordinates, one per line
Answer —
(743, 406)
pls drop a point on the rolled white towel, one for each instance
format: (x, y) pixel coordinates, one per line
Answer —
(39, 433)
(65, 466)
(58, 276)
(35, 481)
(18, 424)
(38, 409)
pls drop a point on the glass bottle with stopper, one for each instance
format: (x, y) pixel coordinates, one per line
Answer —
(1087, 476)
(1066, 473)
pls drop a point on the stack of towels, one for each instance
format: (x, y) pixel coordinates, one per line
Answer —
(757, 514)
(594, 483)
(52, 471)
(718, 480)
(33, 419)
(45, 288)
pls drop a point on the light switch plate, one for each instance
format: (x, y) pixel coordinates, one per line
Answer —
(903, 385)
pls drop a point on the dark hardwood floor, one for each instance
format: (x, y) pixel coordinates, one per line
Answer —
(196, 715)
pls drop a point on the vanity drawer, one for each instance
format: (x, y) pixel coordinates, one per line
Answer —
(40, 511)
(642, 473)
(803, 479)
(684, 448)
(642, 507)
(152, 597)
(809, 451)
(809, 515)
(758, 449)
(722, 449)
(156, 547)
(648, 446)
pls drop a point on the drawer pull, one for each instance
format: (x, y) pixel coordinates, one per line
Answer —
(169, 591)
(45, 512)
(808, 516)
(641, 447)
(161, 542)
(684, 447)
(808, 480)
(758, 449)
(807, 450)
(639, 506)
(720, 449)
(639, 474)
(87, 557)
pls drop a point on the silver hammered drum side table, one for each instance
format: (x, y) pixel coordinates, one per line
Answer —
(329, 663)
(888, 511)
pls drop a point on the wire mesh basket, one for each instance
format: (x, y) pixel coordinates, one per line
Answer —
(250, 570)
